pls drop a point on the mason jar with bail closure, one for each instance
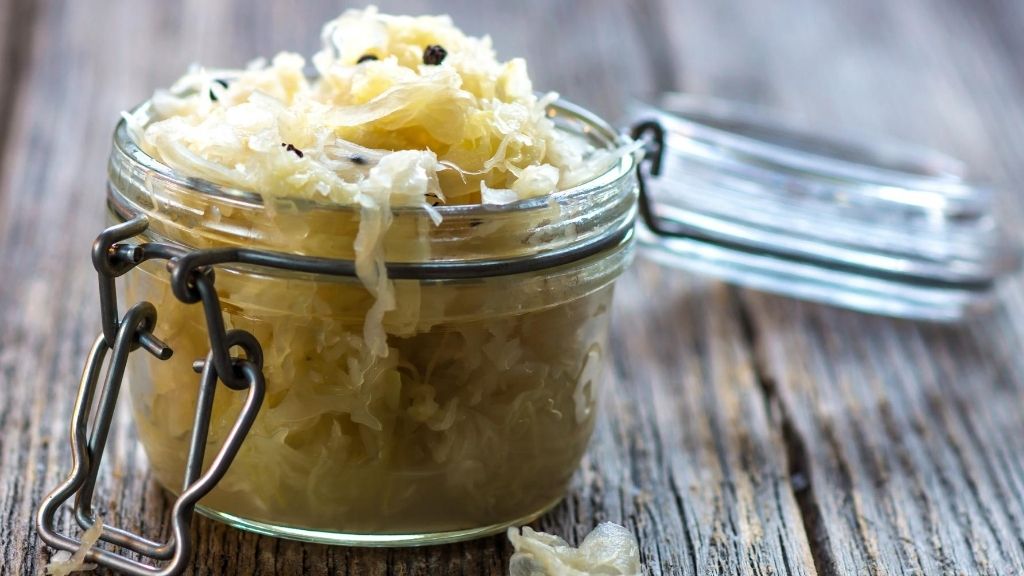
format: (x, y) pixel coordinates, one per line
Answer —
(481, 409)
(475, 418)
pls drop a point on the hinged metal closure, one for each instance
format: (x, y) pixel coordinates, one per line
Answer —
(191, 281)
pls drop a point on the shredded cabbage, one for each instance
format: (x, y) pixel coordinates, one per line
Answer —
(478, 116)
(392, 131)
(63, 562)
(609, 549)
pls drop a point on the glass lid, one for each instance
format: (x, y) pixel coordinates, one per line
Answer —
(868, 224)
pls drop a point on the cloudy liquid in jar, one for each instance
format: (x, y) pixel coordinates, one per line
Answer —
(470, 423)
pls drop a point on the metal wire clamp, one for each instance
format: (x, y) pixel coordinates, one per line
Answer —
(192, 282)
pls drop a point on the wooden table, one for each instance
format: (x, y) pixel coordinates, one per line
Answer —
(740, 434)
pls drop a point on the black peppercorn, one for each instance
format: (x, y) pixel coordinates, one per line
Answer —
(290, 148)
(366, 58)
(357, 160)
(434, 54)
(223, 83)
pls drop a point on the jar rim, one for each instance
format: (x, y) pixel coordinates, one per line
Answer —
(536, 233)
(590, 124)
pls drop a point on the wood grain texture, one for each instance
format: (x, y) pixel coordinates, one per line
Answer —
(905, 438)
(740, 433)
(16, 18)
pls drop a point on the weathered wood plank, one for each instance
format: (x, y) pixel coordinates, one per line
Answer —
(908, 436)
(689, 395)
(16, 19)
(685, 453)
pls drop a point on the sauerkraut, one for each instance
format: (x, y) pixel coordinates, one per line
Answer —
(471, 120)
(477, 416)
(379, 127)
(393, 407)
(609, 549)
(63, 563)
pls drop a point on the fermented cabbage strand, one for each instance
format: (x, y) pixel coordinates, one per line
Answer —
(468, 130)
(63, 563)
(476, 118)
(609, 549)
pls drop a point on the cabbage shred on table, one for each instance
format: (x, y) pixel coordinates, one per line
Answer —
(63, 563)
(609, 549)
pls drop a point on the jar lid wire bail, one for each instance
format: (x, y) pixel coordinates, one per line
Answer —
(192, 282)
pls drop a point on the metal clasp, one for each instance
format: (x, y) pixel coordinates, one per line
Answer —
(120, 336)
(653, 135)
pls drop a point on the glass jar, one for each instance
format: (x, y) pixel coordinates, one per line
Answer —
(480, 411)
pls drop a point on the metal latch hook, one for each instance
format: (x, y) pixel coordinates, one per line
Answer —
(120, 337)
